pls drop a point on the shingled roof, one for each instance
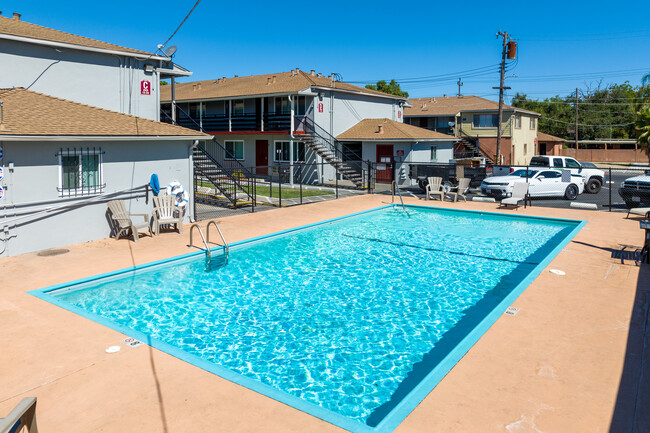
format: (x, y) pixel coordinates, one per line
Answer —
(282, 82)
(369, 129)
(16, 27)
(28, 113)
(544, 137)
(452, 105)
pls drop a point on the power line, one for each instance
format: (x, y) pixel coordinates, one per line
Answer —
(181, 24)
(582, 124)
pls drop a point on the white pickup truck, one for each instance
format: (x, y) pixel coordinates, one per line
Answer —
(594, 178)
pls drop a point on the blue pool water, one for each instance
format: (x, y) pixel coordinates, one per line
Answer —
(349, 315)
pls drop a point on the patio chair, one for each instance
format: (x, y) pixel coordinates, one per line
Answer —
(519, 191)
(123, 218)
(165, 211)
(460, 189)
(22, 417)
(434, 188)
(642, 211)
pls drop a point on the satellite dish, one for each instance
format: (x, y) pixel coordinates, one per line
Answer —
(170, 51)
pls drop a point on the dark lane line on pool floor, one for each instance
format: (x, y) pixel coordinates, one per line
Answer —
(400, 244)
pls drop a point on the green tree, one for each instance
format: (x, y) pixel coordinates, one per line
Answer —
(391, 88)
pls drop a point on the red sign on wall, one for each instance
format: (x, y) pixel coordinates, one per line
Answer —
(320, 107)
(399, 114)
(145, 87)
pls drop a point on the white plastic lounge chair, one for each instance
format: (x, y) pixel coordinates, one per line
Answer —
(519, 191)
(642, 211)
(165, 211)
(23, 416)
(123, 218)
(460, 190)
(434, 188)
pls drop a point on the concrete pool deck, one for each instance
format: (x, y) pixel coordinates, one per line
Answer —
(570, 360)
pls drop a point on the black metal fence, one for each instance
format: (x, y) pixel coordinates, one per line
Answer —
(265, 187)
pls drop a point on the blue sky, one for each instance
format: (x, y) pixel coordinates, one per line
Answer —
(562, 45)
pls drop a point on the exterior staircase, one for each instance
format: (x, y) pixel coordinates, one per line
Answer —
(347, 163)
(347, 170)
(232, 185)
(470, 147)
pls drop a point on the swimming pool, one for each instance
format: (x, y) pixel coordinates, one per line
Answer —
(353, 320)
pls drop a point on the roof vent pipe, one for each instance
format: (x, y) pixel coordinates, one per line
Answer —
(268, 80)
(16, 16)
(293, 72)
(313, 72)
(274, 79)
(380, 129)
(236, 76)
(297, 70)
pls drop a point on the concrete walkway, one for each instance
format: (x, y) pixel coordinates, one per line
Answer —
(571, 360)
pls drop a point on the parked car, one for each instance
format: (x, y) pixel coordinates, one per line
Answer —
(594, 177)
(635, 191)
(541, 183)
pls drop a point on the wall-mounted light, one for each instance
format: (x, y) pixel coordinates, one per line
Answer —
(148, 69)
(320, 96)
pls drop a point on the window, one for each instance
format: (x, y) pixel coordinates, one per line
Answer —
(282, 148)
(80, 172)
(525, 148)
(532, 123)
(571, 163)
(234, 149)
(486, 120)
(517, 121)
(238, 107)
(434, 153)
(282, 105)
(557, 162)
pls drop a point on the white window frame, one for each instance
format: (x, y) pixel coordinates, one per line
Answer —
(81, 191)
(243, 150)
(517, 120)
(533, 123)
(275, 151)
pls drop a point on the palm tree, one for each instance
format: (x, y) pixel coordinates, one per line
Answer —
(642, 124)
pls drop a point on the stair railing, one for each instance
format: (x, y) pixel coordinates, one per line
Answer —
(337, 148)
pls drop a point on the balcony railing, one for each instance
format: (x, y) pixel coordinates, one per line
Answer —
(236, 122)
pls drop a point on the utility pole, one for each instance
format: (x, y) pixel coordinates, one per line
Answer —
(509, 48)
(460, 83)
(576, 121)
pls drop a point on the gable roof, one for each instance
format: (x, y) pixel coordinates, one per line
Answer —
(368, 129)
(452, 105)
(542, 136)
(28, 113)
(266, 84)
(16, 29)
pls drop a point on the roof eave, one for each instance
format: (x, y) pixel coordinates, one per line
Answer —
(45, 42)
(19, 137)
(358, 92)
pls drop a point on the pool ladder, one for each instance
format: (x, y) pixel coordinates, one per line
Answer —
(395, 186)
(208, 253)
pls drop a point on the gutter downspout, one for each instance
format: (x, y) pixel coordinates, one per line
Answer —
(174, 100)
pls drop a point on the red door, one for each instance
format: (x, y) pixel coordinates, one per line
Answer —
(261, 156)
(385, 163)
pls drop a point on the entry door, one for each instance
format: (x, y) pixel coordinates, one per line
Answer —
(385, 163)
(261, 157)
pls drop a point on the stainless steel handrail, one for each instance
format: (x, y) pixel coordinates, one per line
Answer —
(225, 243)
(207, 248)
(396, 186)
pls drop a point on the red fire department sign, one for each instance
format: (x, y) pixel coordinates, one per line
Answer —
(320, 107)
(145, 87)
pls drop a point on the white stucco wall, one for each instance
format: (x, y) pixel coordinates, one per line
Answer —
(101, 80)
(350, 109)
(33, 186)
